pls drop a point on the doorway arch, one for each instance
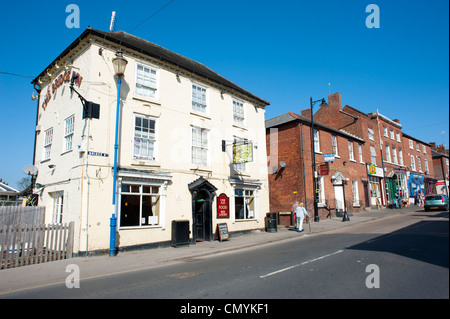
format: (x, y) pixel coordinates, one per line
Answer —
(203, 193)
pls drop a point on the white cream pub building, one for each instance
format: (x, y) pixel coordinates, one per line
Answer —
(123, 120)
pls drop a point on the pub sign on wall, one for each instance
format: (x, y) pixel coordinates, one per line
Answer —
(223, 206)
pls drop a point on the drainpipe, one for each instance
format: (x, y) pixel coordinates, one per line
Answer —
(33, 177)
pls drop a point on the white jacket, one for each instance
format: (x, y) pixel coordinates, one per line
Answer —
(301, 212)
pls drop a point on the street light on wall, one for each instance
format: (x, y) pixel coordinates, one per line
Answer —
(315, 193)
(120, 64)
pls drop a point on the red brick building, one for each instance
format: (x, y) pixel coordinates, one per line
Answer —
(373, 160)
(291, 166)
(440, 157)
(419, 162)
(353, 121)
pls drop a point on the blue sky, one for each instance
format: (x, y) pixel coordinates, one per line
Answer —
(282, 51)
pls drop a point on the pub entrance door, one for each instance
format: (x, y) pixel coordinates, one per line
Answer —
(203, 193)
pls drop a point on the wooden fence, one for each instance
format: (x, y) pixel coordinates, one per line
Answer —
(31, 244)
(26, 240)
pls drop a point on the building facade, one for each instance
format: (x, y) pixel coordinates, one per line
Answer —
(379, 162)
(181, 126)
(340, 180)
(419, 164)
(441, 167)
(355, 122)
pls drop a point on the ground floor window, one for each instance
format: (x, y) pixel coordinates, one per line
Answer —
(244, 204)
(57, 209)
(355, 193)
(320, 191)
(139, 205)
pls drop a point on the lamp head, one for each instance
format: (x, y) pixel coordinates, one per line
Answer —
(323, 103)
(119, 63)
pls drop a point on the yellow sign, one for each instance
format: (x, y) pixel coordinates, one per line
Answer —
(243, 153)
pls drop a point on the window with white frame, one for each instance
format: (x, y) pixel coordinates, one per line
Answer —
(199, 148)
(69, 125)
(57, 209)
(385, 131)
(140, 205)
(355, 193)
(398, 137)
(424, 149)
(392, 135)
(413, 163)
(321, 188)
(198, 98)
(244, 204)
(146, 80)
(400, 157)
(394, 155)
(388, 153)
(370, 134)
(417, 147)
(373, 155)
(419, 164)
(238, 113)
(411, 146)
(48, 139)
(334, 145)
(426, 166)
(360, 153)
(316, 141)
(350, 151)
(144, 145)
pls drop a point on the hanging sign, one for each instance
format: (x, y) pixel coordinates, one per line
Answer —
(223, 206)
(243, 153)
(324, 169)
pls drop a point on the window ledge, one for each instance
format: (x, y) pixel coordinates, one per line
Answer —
(203, 115)
(145, 163)
(146, 99)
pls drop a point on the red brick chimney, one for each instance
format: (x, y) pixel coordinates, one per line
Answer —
(306, 113)
(335, 100)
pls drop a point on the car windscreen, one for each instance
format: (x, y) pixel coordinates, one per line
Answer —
(435, 197)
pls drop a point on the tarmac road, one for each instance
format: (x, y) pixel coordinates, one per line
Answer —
(403, 256)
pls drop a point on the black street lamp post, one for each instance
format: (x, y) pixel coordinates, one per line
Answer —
(316, 210)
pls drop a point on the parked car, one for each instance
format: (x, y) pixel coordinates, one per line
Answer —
(433, 202)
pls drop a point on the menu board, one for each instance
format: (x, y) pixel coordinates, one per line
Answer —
(222, 232)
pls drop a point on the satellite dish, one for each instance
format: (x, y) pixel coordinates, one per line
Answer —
(30, 170)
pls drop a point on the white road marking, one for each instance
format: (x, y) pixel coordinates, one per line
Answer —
(303, 263)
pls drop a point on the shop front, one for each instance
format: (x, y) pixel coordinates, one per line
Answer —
(416, 185)
(376, 176)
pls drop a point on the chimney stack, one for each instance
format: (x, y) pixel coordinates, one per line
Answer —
(335, 100)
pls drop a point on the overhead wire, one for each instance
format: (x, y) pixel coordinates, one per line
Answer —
(157, 11)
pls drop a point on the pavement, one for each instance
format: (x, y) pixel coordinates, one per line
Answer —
(56, 273)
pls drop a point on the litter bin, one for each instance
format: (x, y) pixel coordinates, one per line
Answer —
(271, 222)
(180, 232)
